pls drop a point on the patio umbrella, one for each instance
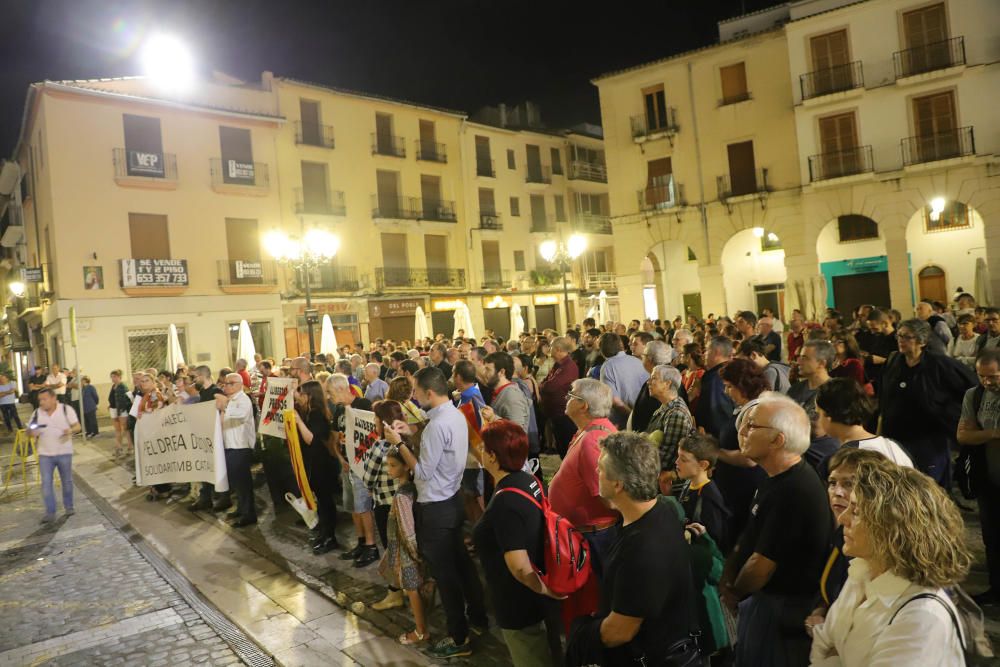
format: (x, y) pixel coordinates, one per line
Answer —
(420, 328)
(602, 307)
(819, 295)
(984, 291)
(328, 339)
(516, 322)
(175, 355)
(244, 343)
(463, 320)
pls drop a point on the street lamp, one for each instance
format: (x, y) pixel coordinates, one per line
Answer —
(168, 62)
(317, 247)
(17, 288)
(562, 255)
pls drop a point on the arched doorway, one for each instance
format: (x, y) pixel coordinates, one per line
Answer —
(652, 290)
(852, 259)
(753, 264)
(932, 285)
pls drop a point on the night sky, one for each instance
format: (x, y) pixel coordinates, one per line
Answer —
(459, 54)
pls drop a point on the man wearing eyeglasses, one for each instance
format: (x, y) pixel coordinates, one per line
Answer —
(774, 572)
(238, 436)
(990, 339)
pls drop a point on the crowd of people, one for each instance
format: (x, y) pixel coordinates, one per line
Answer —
(750, 492)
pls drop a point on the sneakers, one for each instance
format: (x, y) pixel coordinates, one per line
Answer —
(367, 556)
(49, 518)
(391, 600)
(447, 648)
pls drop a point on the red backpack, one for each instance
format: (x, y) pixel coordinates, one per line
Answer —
(567, 552)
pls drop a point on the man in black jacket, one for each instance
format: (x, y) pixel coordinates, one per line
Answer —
(714, 408)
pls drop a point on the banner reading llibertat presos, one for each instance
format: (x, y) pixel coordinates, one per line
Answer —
(278, 397)
(180, 443)
(359, 437)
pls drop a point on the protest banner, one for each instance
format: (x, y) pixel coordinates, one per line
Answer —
(278, 398)
(359, 437)
(180, 443)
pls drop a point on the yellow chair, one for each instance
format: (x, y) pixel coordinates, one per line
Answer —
(24, 449)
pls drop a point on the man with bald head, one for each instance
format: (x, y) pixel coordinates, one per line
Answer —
(238, 436)
(300, 369)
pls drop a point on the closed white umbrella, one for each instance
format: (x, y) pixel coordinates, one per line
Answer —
(602, 307)
(420, 328)
(819, 295)
(984, 291)
(463, 320)
(175, 355)
(516, 322)
(244, 343)
(328, 339)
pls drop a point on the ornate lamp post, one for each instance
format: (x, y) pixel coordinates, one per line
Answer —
(315, 248)
(562, 255)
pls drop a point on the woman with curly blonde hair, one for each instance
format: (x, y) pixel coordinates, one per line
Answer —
(906, 538)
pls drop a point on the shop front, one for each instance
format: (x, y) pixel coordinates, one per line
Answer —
(443, 316)
(343, 314)
(393, 319)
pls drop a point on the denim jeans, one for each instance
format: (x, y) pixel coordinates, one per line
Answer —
(48, 464)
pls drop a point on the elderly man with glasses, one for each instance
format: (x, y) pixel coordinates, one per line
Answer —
(773, 573)
(574, 491)
(238, 437)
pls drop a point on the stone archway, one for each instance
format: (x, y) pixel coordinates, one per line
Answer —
(853, 263)
(948, 235)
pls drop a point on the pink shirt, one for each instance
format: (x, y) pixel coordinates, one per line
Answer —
(573, 492)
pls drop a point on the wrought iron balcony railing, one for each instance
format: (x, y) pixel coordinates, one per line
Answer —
(240, 272)
(588, 171)
(592, 223)
(313, 134)
(661, 196)
(929, 57)
(941, 146)
(644, 126)
(832, 80)
(496, 279)
(329, 278)
(490, 220)
(431, 151)
(737, 185)
(330, 202)
(388, 145)
(418, 278)
(538, 174)
(236, 173)
(848, 162)
(413, 208)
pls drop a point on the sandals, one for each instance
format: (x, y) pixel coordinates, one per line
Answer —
(418, 638)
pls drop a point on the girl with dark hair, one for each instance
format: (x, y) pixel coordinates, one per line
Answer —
(312, 418)
(694, 359)
(848, 363)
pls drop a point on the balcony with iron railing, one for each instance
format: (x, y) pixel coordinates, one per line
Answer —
(547, 276)
(330, 202)
(490, 220)
(836, 79)
(484, 167)
(405, 277)
(496, 279)
(929, 57)
(145, 170)
(596, 281)
(313, 134)
(592, 223)
(836, 164)
(431, 151)
(329, 278)
(738, 185)
(959, 142)
(661, 196)
(588, 171)
(383, 144)
(538, 174)
(413, 208)
(542, 225)
(250, 276)
(645, 127)
(235, 177)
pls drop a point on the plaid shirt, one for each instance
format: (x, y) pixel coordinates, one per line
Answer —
(376, 476)
(674, 419)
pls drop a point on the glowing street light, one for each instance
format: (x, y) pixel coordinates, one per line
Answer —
(758, 232)
(17, 288)
(937, 208)
(168, 62)
(562, 255)
(317, 247)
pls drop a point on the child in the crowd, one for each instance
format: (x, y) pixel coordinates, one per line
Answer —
(702, 501)
(401, 564)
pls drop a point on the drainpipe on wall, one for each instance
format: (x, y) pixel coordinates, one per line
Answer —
(697, 156)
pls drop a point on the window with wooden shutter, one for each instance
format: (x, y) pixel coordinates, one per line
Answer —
(237, 155)
(838, 139)
(515, 207)
(936, 126)
(538, 218)
(315, 198)
(387, 183)
(656, 108)
(511, 163)
(519, 260)
(830, 58)
(383, 133)
(309, 113)
(734, 83)
(149, 236)
(925, 34)
(742, 168)
(556, 161)
(487, 205)
(659, 182)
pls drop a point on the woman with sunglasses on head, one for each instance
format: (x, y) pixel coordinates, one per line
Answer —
(906, 538)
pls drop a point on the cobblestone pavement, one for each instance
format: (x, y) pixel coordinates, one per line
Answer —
(77, 592)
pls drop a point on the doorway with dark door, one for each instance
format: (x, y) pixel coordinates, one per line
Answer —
(498, 319)
(443, 322)
(852, 291)
(545, 317)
